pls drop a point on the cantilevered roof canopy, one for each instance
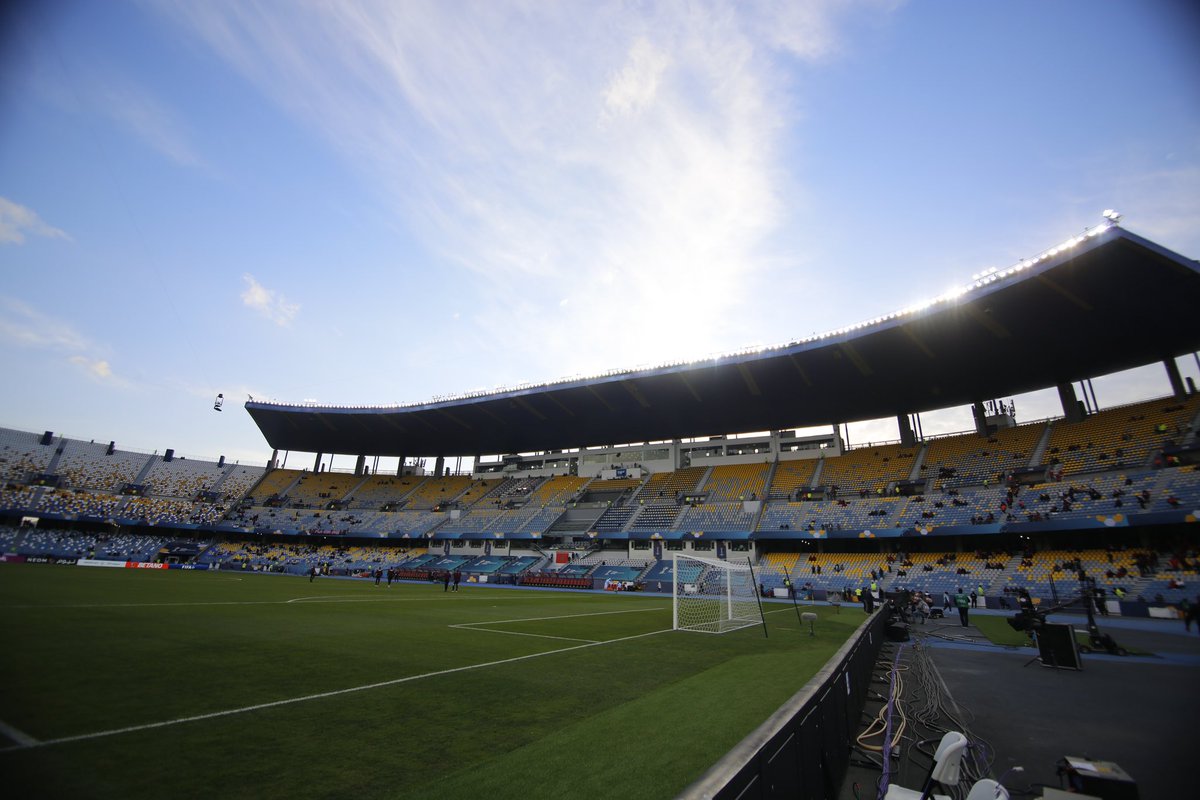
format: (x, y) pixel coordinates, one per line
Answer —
(1104, 302)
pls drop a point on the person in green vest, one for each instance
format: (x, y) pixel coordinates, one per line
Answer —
(963, 601)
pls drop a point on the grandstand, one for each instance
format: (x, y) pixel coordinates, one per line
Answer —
(1113, 492)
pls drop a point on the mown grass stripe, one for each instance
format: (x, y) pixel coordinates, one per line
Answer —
(319, 696)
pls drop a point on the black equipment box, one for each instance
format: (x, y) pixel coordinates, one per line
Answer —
(1104, 779)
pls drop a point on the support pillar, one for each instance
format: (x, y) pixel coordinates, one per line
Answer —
(317, 462)
(274, 459)
(400, 466)
(907, 438)
(1071, 405)
(359, 464)
(980, 415)
(1177, 387)
(438, 465)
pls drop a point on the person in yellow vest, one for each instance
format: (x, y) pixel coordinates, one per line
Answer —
(963, 601)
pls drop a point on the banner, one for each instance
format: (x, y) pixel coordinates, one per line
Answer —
(96, 562)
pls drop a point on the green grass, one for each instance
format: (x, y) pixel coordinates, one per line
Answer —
(998, 631)
(95, 650)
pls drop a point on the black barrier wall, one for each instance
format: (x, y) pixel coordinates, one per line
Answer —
(803, 750)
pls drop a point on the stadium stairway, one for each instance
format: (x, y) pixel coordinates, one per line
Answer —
(145, 470)
(353, 489)
(58, 446)
(816, 477)
(1039, 450)
(918, 461)
(637, 492)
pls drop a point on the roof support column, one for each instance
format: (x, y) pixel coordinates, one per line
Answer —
(980, 418)
(317, 462)
(1177, 387)
(438, 465)
(1071, 405)
(359, 464)
(400, 466)
(907, 437)
(274, 459)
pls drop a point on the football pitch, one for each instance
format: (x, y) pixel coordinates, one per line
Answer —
(148, 683)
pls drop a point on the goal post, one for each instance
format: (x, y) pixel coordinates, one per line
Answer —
(712, 596)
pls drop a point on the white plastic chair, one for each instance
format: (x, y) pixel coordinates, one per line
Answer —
(987, 789)
(947, 760)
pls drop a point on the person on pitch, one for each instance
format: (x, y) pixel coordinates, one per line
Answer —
(963, 601)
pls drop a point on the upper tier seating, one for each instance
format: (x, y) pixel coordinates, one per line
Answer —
(791, 476)
(737, 482)
(970, 459)
(1119, 438)
(85, 465)
(868, 469)
(21, 455)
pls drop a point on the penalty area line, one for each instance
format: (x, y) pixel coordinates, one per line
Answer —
(471, 627)
(20, 737)
(481, 626)
(31, 743)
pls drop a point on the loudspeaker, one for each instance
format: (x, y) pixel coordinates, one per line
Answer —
(1056, 647)
(47, 438)
(112, 448)
(170, 454)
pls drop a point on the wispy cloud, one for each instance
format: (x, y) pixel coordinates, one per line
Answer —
(96, 368)
(268, 303)
(636, 163)
(87, 84)
(16, 221)
(147, 118)
(23, 326)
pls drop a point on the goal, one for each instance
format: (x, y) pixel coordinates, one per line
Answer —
(713, 596)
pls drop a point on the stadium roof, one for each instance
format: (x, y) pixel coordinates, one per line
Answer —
(1102, 302)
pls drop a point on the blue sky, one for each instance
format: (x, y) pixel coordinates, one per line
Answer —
(378, 202)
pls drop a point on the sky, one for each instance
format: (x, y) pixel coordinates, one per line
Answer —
(382, 202)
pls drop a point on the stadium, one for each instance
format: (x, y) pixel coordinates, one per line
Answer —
(540, 631)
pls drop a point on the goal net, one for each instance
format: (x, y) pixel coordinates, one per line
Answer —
(713, 596)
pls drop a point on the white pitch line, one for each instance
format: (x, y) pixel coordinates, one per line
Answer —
(479, 626)
(470, 627)
(27, 606)
(20, 737)
(321, 696)
(563, 616)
